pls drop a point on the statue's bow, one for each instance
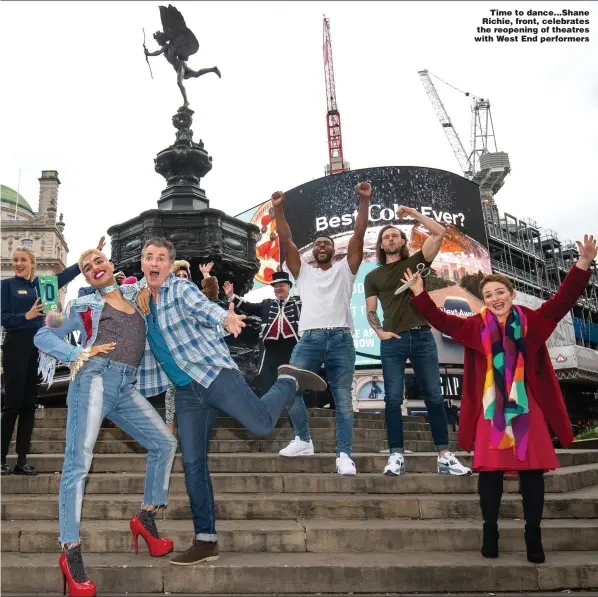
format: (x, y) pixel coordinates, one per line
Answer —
(146, 58)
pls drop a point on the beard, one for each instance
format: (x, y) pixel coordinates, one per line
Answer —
(394, 251)
(320, 259)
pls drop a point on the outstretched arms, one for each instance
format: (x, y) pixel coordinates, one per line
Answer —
(456, 327)
(241, 304)
(291, 253)
(355, 248)
(556, 307)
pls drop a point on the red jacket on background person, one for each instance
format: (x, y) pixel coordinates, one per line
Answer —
(539, 372)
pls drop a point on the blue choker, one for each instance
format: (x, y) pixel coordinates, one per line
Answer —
(109, 289)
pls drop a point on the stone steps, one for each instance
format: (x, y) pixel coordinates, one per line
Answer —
(285, 506)
(563, 480)
(305, 535)
(421, 462)
(409, 423)
(293, 526)
(238, 433)
(230, 446)
(309, 573)
(314, 414)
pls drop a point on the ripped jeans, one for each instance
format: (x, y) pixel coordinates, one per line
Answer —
(105, 388)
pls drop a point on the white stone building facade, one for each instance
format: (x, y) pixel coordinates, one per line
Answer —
(41, 231)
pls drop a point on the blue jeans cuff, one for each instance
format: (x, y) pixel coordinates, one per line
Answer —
(397, 450)
(206, 537)
(439, 448)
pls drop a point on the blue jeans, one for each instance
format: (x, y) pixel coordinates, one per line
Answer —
(335, 350)
(196, 410)
(419, 346)
(105, 388)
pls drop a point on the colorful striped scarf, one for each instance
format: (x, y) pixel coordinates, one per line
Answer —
(505, 400)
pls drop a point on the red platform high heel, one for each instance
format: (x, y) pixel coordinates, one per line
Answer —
(157, 547)
(76, 589)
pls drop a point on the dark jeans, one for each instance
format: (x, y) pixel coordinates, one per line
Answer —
(277, 352)
(19, 365)
(419, 346)
(531, 483)
(196, 409)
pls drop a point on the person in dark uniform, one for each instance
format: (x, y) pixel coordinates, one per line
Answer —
(22, 316)
(278, 333)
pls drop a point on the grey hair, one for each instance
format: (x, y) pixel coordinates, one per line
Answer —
(162, 243)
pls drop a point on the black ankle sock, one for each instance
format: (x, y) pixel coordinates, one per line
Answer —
(75, 562)
(148, 520)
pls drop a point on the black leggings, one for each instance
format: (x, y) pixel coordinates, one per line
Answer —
(490, 487)
(19, 365)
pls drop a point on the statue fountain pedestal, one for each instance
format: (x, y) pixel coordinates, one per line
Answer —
(199, 233)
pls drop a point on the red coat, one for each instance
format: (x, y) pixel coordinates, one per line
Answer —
(539, 372)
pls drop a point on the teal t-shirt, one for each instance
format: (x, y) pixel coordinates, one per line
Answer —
(160, 349)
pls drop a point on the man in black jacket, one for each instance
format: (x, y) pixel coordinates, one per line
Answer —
(278, 333)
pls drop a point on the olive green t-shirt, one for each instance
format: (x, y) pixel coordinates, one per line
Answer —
(399, 314)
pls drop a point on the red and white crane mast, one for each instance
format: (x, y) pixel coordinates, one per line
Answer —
(336, 162)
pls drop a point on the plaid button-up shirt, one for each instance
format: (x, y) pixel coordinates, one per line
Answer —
(192, 327)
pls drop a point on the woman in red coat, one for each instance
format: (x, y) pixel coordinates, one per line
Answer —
(510, 391)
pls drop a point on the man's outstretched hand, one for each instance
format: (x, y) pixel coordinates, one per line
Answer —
(234, 323)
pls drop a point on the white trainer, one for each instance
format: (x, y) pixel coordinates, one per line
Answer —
(395, 465)
(448, 464)
(298, 447)
(344, 465)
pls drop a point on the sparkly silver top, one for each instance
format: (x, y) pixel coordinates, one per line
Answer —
(127, 330)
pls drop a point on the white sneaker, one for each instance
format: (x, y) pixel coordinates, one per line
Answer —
(449, 464)
(344, 465)
(298, 448)
(395, 465)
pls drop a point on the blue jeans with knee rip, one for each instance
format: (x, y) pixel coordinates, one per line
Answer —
(334, 349)
(105, 388)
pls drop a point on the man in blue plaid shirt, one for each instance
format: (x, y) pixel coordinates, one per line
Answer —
(185, 346)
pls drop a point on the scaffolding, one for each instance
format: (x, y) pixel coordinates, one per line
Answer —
(537, 260)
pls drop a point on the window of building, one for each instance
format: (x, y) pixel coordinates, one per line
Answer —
(27, 243)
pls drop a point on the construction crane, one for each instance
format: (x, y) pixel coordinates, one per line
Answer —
(483, 166)
(336, 162)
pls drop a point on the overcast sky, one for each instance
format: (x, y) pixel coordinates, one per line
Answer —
(77, 97)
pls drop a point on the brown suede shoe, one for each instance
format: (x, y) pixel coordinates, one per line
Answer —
(200, 551)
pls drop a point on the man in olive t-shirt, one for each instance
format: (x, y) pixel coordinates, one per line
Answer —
(407, 335)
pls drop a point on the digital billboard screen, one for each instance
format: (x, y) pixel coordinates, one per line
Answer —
(328, 206)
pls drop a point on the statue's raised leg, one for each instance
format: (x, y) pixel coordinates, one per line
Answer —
(190, 73)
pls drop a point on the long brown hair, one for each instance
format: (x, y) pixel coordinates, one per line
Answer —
(381, 255)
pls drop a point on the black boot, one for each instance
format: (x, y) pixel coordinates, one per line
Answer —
(490, 486)
(490, 541)
(532, 492)
(533, 543)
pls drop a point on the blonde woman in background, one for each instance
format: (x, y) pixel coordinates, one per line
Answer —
(22, 316)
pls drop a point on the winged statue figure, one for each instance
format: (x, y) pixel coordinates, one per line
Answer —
(177, 42)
